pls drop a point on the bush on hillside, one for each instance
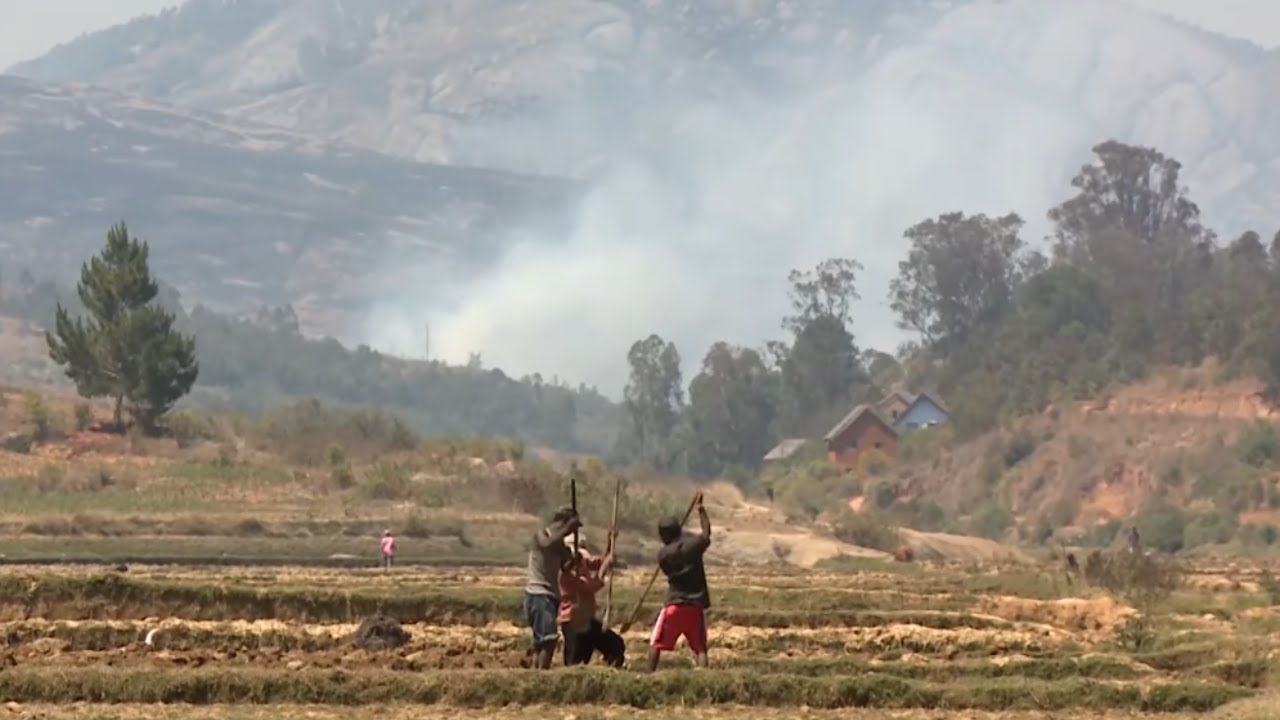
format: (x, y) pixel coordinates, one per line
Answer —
(920, 514)
(43, 424)
(1259, 446)
(1101, 535)
(83, 416)
(1019, 448)
(868, 530)
(1212, 529)
(1162, 527)
(806, 491)
(926, 445)
(991, 521)
(1139, 579)
(1258, 536)
(874, 463)
(188, 427)
(301, 431)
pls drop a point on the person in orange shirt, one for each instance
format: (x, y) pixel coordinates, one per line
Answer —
(581, 577)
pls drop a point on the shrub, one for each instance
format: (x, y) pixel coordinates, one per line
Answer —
(1213, 529)
(302, 430)
(1163, 526)
(1257, 536)
(992, 521)
(41, 421)
(1259, 446)
(188, 428)
(874, 463)
(926, 445)
(84, 416)
(864, 530)
(1270, 587)
(808, 490)
(527, 494)
(228, 453)
(920, 514)
(339, 467)
(1139, 579)
(1019, 448)
(1101, 535)
(388, 481)
(17, 443)
(883, 494)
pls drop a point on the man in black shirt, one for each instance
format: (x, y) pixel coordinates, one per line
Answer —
(687, 595)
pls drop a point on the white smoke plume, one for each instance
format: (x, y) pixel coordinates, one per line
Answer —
(691, 230)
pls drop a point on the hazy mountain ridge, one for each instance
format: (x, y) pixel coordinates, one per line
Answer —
(237, 213)
(453, 82)
(709, 132)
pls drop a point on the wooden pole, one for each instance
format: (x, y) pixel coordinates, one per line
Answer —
(608, 600)
(653, 578)
(573, 502)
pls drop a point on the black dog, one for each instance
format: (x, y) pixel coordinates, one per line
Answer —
(596, 639)
(611, 646)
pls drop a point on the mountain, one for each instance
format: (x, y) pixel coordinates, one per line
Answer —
(441, 81)
(239, 212)
(721, 142)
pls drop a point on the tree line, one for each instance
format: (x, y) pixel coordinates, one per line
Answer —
(125, 335)
(1130, 280)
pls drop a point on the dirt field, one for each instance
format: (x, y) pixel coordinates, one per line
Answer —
(886, 641)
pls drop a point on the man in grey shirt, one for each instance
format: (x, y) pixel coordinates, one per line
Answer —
(547, 554)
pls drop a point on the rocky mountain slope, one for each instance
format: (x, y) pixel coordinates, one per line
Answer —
(238, 212)
(448, 81)
(751, 136)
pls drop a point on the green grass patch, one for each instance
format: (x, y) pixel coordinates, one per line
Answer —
(119, 596)
(591, 686)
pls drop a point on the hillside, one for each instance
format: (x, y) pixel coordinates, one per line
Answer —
(745, 136)
(240, 214)
(462, 82)
(1190, 459)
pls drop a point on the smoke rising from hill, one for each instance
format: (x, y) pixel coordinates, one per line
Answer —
(691, 234)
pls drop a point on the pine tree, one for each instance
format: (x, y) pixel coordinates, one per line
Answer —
(125, 347)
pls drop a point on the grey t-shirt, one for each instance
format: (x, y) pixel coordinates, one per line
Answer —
(544, 567)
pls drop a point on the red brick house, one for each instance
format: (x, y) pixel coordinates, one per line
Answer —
(861, 430)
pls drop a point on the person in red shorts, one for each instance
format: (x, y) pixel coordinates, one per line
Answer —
(684, 613)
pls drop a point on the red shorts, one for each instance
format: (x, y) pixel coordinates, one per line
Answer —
(680, 620)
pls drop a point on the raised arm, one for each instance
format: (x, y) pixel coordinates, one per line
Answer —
(557, 532)
(700, 543)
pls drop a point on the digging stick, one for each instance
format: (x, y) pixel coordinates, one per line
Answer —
(613, 550)
(573, 502)
(653, 578)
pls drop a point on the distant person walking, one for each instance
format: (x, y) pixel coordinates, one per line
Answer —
(388, 547)
(547, 554)
(688, 598)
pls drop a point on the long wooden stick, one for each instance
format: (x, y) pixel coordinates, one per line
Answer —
(573, 502)
(613, 550)
(653, 578)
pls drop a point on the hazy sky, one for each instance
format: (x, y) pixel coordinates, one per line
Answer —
(29, 27)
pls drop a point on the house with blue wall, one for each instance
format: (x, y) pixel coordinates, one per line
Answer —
(915, 412)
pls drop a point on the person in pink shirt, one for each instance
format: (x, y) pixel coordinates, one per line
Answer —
(388, 549)
(581, 577)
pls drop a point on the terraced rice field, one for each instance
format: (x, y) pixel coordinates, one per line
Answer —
(884, 642)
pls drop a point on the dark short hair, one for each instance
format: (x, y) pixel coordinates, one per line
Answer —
(669, 527)
(564, 513)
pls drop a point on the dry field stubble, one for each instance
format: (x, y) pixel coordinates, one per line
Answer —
(889, 642)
